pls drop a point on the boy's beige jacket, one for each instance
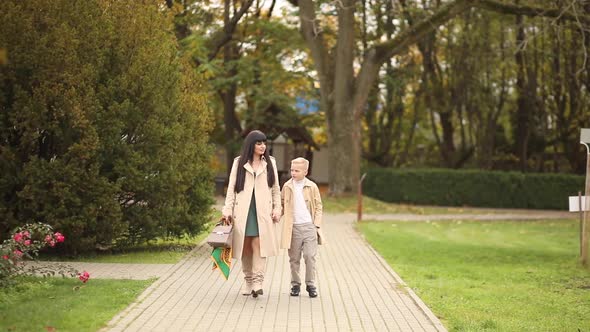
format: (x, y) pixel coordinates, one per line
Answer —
(268, 200)
(313, 200)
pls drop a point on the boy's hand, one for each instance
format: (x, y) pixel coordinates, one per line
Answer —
(275, 217)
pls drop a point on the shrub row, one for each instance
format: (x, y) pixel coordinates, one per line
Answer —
(480, 188)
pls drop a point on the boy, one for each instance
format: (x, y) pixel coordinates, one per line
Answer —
(302, 225)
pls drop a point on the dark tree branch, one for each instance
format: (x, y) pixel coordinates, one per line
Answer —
(375, 57)
(271, 8)
(314, 37)
(344, 48)
(223, 36)
(416, 32)
(530, 11)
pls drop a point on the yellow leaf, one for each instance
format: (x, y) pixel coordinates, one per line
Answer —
(3, 56)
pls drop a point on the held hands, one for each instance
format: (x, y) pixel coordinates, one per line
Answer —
(227, 218)
(275, 217)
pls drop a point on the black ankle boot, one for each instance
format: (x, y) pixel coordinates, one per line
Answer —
(255, 293)
(312, 291)
(295, 290)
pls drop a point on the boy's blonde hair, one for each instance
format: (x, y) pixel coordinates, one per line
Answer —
(301, 162)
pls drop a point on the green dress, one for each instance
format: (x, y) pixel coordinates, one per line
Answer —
(252, 221)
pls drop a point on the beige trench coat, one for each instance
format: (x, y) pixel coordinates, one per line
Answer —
(268, 200)
(313, 201)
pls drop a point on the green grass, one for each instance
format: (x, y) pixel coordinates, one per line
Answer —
(161, 251)
(373, 206)
(37, 304)
(491, 276)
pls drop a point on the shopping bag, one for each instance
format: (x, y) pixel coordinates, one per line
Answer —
(221, 235)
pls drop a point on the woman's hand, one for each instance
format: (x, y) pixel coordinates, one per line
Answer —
(275, 217)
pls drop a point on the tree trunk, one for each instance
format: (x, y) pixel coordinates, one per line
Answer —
(371, 115)
(344, 149)
(344, 137)
(523, 110)
(417, 105)
(573, 88)
(435, 99)
(232, 124)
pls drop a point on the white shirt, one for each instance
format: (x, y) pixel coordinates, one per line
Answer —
(300, 212)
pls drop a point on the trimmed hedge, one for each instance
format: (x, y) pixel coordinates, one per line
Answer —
(446, 187)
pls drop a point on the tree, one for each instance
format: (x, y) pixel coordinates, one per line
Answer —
(344, 90)
(241, 48)
(104, 128)
(386, 106)
(215, 35)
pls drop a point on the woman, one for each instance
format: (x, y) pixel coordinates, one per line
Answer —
(253, 201)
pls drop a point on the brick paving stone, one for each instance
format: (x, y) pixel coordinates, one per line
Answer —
(358, 291)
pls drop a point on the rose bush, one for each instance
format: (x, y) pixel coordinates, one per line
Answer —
(84, 276)
(25, 243)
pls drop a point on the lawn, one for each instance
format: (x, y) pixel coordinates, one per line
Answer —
(57, 304)
(491, 276)
(374, 206)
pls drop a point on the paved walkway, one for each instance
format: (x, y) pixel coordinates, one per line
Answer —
(149, 271)
(358, 291)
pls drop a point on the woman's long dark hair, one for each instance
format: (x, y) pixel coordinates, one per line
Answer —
(247, 154)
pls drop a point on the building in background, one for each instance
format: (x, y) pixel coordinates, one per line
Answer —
(285, 142)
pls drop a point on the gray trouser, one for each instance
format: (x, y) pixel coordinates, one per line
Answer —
(303, 241)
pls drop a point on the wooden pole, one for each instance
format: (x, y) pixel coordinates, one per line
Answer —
(586, 223)
(581, 221)
(359, 207)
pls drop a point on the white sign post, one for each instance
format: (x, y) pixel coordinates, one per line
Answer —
(576, 202)
(580, 204)
(584, 203)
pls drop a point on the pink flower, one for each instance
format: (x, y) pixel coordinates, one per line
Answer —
(27, 234)
(18, 237)
(27, 242)
(84, 276)
(5, 257)
(17, 253)
(49, 240)
(59, 237)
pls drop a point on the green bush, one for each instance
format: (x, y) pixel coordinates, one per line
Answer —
(103, 126)
(472, 188)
